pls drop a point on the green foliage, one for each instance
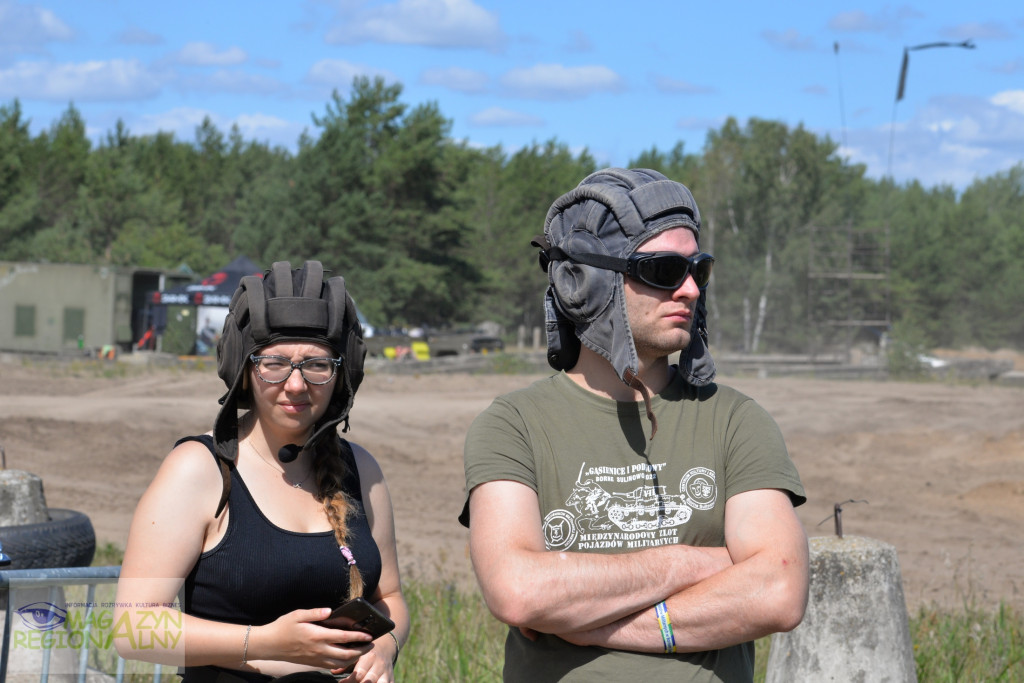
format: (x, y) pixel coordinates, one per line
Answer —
(108, 555)
(454, 638)
(904, 352)
(429, 231)
(974, 645)
(765, 185)
(510, 201)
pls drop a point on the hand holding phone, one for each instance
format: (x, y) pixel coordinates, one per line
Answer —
(359, 615)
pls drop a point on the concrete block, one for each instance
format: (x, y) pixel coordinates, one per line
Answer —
(21, 498)
(855, 629)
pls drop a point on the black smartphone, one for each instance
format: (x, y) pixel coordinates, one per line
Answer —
(359, 615)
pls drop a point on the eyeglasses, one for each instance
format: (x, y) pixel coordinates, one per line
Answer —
(277, 369)
(668, 269)
(660, 269)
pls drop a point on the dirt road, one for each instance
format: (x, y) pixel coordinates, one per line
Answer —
(941, 465)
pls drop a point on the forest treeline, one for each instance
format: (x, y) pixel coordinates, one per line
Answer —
(428, 230)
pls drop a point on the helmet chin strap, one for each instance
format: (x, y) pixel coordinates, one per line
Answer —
(289, 452)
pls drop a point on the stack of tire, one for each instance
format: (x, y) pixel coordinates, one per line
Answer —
(33, 536)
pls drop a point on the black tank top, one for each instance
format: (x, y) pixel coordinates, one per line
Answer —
(259, 571)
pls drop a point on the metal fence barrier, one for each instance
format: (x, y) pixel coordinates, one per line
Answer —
(55, 579)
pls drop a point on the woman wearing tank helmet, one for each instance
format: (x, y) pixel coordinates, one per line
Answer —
(269, 521)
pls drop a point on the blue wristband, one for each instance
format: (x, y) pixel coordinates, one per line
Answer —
(667, 637)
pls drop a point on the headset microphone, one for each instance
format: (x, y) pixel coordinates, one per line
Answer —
(289, 452)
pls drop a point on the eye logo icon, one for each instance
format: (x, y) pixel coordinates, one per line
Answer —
(42, 616)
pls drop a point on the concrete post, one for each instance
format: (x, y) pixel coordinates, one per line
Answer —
(21, 499)
(855, 628)
(22, 502)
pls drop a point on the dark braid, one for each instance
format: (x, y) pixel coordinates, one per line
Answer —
(330, 471)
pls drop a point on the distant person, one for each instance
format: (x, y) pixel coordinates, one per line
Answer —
(270, 520)
(628, 518)
(206, 342)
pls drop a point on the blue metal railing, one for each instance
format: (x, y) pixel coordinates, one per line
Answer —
(55, 579)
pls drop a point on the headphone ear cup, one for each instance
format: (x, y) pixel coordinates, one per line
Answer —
(567, 352)
(563, 344)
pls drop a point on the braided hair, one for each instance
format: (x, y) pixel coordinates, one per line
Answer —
(330, 470)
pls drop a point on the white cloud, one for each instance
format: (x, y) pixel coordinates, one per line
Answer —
(558, 82)
(950, 140)
(26, 30)
(96, 81)
(456, 78)
(431, 23)
(206, 54)
(496, 116)
(233, 81)
(275, 130)
(338, 73)
(261, 122)
(182, 121)
(1011, 99)
(941, 126)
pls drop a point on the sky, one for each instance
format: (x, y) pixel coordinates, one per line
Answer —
(615, 78)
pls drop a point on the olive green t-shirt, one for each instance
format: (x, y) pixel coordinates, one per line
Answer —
(605, 487)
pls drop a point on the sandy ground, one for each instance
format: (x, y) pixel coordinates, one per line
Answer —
(941, 465)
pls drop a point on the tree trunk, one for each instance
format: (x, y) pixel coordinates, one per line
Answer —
(762, 303)
(746, 324)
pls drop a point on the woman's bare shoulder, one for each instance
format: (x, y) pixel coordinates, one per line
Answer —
(191, 468)
(367, 464)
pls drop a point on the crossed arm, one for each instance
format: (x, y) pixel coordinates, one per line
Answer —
(716, 597)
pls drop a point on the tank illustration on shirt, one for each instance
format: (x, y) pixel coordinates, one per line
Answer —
(626, 507)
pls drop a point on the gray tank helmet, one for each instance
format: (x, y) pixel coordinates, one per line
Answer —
(285, 305)
(612, 212)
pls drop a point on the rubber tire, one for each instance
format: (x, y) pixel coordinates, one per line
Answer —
(66, 540)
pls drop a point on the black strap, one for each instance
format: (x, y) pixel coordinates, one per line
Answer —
(602, 261)
(223, 465)
(347, 455)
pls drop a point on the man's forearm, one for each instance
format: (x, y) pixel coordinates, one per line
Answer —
(764, 592)
(559, 591)
(732, 607)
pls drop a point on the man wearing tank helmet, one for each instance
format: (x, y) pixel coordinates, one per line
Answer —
(631, 519)
(271, 520)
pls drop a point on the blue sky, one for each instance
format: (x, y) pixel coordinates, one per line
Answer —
(614, 77)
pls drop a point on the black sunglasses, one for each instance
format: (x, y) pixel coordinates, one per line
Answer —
(660, 269)
(668, 269)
